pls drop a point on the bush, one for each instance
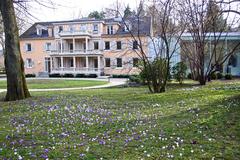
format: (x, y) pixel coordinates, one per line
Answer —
(92, 76)
(179, 72)
(228, 76)
(189, 76)
(120, 76)
(30, 75)
(219, 75)
(135, 78)
(55, 75)
(68, 75)
(213, 76)
(80, 75)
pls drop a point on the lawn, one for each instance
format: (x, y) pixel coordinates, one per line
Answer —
(57, 83)
(186, 122)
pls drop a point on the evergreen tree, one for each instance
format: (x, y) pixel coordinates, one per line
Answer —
(97, 15)
(127, 12)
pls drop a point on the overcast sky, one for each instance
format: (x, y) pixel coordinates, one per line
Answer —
(71, 9)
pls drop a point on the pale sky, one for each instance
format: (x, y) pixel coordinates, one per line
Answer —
(72, 9)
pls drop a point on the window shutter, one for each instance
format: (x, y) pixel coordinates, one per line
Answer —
(25, 64)
(33, 63)
(25, 47)
(32, 48)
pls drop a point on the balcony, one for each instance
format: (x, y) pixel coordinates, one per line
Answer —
(75, 33)
(75, 52)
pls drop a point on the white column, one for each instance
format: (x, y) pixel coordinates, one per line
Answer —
(74, 63)
(74, 45)
(99, 66)
(61, 46)
(87, 62)
(51, 64)
(99, 62)
(86, 41)
(62, 63)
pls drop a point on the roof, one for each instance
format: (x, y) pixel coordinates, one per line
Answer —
(144, 26)
(217, 35)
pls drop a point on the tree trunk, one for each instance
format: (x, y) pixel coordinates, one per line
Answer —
(16, 82)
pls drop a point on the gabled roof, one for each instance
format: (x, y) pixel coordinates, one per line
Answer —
(144, 26)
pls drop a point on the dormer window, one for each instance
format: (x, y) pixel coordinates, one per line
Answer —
(110, 29)
(60, 29)
(95, 28)
(126, 27)
(39, 31)
(71, 28)
(83, 28)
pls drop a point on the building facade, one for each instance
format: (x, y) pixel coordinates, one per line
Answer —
(84, 46)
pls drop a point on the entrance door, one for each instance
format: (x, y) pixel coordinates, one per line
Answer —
(47, 65)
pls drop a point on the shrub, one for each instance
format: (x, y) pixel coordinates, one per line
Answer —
(219, 75)
(80, 75)
(189, 76)
(92, 76)
(228, 76)
(55, 75)
(30, 75)
(68, 75)
(213, 76)
(120, 76)
(135, 78)
(179, 72)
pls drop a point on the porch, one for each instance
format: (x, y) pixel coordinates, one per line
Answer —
(77, 65)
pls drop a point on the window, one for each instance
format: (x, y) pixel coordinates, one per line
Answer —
(83, 28)
(126, 28)
(96, 45)
(48, 46)
(39, 31)
(135, 44)
(71, 62)
(60, 29)
(233, 61)
(107, 62)
(28, 47)
(71, 28)
(119, 62)
(95, 28)
(110, 29)
(29, 63)
(107, 45)
(135, 62)
(119, 45)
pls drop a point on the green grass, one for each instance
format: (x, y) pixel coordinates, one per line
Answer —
(57, 83)
(186, 122)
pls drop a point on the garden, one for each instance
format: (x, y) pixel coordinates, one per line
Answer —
(186, 122)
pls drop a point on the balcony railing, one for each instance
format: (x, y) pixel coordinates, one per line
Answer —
(71, 70)
(77, 32)
(59, 52)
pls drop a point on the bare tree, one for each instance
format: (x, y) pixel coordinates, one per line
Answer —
(205, 45)
(156, 62)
